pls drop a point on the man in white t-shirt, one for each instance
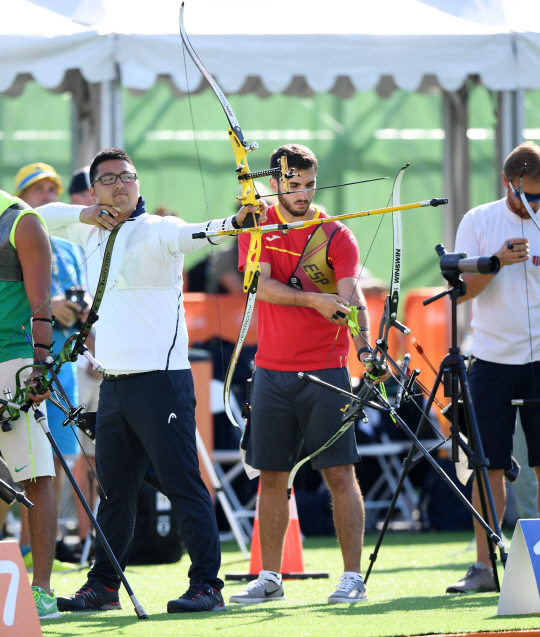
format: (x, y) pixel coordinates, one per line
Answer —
(506, 334)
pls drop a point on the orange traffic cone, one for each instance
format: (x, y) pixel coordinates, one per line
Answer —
(292, 566)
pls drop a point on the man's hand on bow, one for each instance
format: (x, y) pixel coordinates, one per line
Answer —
(329, 305)
(35, 386)
(245, 210)
(99, 215)
(367, 362)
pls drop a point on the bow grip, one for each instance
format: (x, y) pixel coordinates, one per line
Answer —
(252, 259)
(39, 388)
(378, 368)
(251, 220)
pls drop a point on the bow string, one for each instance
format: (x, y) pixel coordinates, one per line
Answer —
(536, 222)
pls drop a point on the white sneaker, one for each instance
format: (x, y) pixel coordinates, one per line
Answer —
(263, 589)
(351, 589)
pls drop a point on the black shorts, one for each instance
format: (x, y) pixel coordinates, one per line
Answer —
(493, 386)
(287, 411)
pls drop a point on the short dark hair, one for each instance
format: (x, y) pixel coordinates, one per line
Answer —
(526, 153)
(298, 156)
(105, 155)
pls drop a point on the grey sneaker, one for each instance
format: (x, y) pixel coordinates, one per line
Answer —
(263, 589)
(479, 579)
(349, 591)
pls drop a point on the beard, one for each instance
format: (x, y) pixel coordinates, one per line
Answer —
(295, 212)
(517, 207)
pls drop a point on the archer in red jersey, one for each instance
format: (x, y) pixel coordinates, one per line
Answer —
(307, 277)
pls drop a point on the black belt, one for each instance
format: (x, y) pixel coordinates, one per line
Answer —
(121, 376)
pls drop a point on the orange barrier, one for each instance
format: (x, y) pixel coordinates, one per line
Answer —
(202, 376)
(430, 326)
(204, 320)
(375, 305)
(209, 315)
(18, 612)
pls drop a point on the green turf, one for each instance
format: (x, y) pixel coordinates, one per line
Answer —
(406, 597)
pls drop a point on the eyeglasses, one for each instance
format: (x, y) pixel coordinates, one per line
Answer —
(110, 178)
(528, 197)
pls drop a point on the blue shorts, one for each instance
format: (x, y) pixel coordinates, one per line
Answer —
(288, 411)
(64, 437)
(493, 386)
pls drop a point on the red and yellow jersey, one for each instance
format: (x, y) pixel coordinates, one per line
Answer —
(311, 259)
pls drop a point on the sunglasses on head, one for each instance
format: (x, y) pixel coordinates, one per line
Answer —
(530, 198)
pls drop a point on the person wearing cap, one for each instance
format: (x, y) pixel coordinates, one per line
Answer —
(25, 279)
(79, 188)
(39, 184)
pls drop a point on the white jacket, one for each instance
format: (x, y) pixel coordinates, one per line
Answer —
(141, 323)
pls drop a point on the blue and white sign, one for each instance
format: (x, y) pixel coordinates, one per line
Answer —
(520, 591)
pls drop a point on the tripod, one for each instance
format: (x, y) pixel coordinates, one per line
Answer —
(453, 374)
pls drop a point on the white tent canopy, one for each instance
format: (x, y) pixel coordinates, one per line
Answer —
(38, 42)
(358, 40)
(320, 42)
(282, 46)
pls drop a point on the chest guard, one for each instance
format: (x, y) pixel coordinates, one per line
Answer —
(314, 272)
(10, 266)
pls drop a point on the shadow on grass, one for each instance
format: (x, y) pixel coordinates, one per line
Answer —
(431, 537)
(421, 567)
(106, 623)
(98, 622)
(462, 603)
(391, 539)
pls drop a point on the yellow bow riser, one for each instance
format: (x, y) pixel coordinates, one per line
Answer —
(248, 196)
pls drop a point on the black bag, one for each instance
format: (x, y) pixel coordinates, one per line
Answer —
(157, 538)
(440, 510)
